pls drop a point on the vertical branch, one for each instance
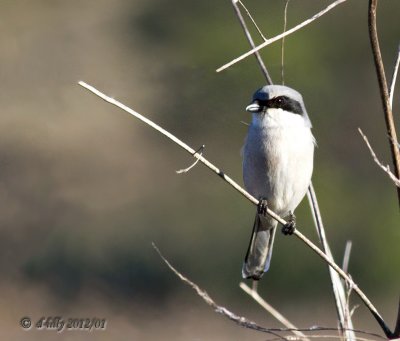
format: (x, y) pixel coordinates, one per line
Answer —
(396, 333)
(345, 324)
(346, 256)
(394, 77)
(283, 44)
(250, 39)
(383, 87)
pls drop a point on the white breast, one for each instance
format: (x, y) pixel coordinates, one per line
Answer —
(278, 159)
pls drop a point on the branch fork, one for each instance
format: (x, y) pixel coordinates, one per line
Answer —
(247, 195)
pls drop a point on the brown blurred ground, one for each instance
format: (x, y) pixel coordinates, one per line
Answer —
(85, 188)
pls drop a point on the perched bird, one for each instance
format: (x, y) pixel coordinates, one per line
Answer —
(277, 166)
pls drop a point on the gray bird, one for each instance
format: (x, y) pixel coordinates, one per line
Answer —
(277, 166)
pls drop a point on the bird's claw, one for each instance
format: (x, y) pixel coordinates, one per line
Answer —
(290, 226)
(262, 207)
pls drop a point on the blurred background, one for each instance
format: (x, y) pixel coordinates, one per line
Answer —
(85, 188)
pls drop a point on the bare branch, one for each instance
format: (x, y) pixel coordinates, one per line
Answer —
(270, 309)
(247, 195)
(385, 169)
(394, 76)
(346, 256)
(240, 320)
(181, 144)
(397, 328)
(185, 170)
(252, 19)
(324, 336)
(283, 44)
(250, 39)
(279, 36)
(346, 324)
(383, 87)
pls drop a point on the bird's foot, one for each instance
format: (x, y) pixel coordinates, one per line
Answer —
(290, 226)
(262, 207)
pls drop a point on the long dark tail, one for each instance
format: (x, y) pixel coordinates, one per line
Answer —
(259, 253)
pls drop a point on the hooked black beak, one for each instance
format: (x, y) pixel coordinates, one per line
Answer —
(254, 107)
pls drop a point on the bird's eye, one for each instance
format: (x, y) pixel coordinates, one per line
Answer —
(279, 100)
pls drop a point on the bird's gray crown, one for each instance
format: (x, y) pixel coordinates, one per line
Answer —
(279, 96)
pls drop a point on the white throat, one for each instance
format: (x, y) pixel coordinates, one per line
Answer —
(278, 118)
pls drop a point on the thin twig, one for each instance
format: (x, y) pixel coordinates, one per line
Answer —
(386, 169)
(346, 256)
(247, 195)
(394, 76)
(242, 321)
(325, 336)
(384, 92)
(279, 36)
(252, 20)
(337, 286)
(283, 44)
(397, 328)
(363, 297)
(318, 328)
(270, 309)
(181, 144)
(354, 309)
(348, 314)
(250, 39)
(185, 170)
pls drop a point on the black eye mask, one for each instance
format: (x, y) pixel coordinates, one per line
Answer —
(284, 103)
